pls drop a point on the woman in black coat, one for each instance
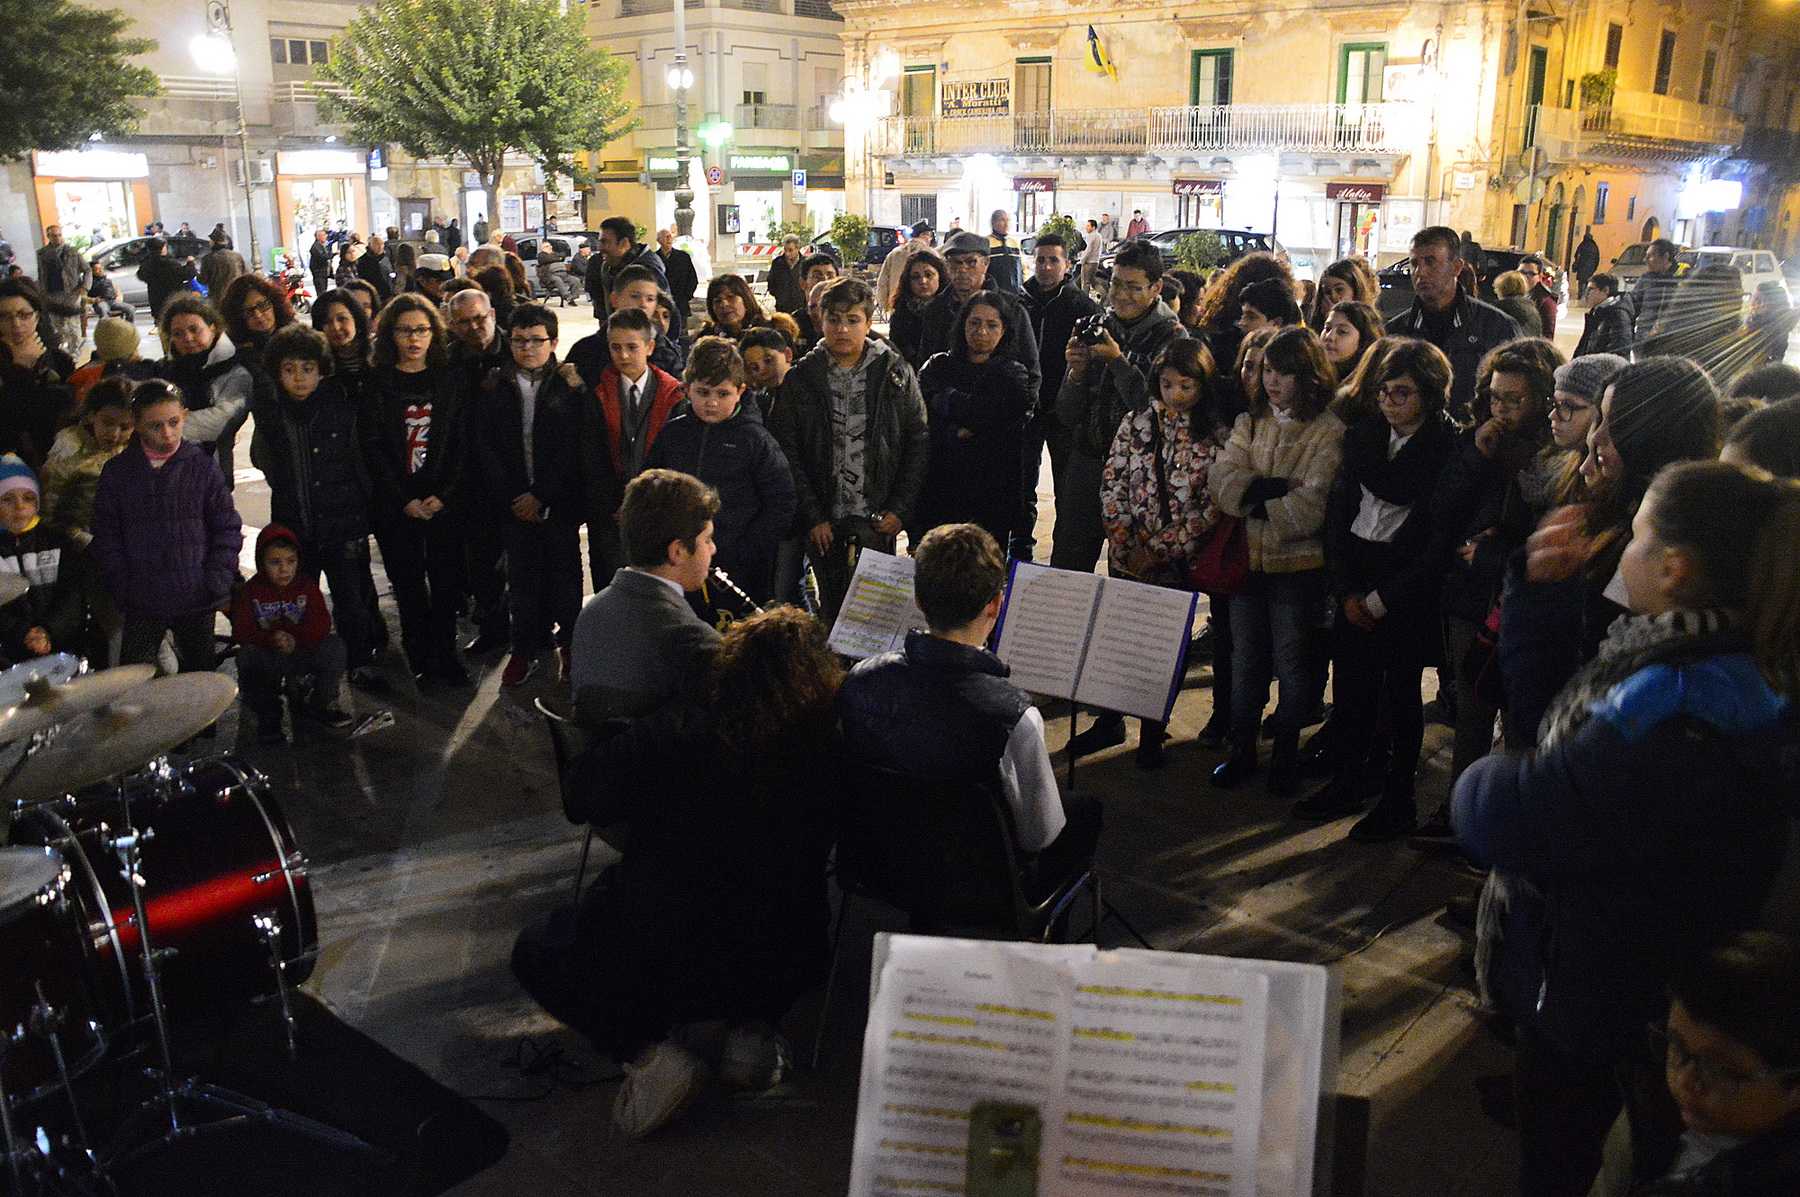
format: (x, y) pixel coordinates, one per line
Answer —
(978, 395)
(718, 909)
(1384, 578)
(409, 431)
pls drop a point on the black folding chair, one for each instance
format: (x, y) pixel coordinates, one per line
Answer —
(943, 852)
(564, 744)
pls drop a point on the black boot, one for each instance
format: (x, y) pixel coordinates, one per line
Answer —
(1108, 729)
(1239, 767)
(1284, 766)
(1216, 733)
(1150, 744)
(1396, 816)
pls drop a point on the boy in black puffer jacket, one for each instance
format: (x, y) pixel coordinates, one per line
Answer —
(307, 445)
(722, 446)
(49, 616)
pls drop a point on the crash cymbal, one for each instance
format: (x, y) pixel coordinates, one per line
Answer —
(12, 586)
(123, 735)
(49, 702)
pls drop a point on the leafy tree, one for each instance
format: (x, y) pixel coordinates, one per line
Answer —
(851, 236)
(1199, 251)
(65, 74)
(1064, 227)
(471, 80)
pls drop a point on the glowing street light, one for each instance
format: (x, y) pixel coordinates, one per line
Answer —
(216, 53)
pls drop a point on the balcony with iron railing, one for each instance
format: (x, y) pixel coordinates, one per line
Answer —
(767, 116)
(1382, 129)
(294, 106)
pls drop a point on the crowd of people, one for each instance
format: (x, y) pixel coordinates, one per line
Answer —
(1598, 556)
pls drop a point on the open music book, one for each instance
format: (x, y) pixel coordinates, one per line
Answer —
(1118, 644)
(1151, 1071)
(878, 608)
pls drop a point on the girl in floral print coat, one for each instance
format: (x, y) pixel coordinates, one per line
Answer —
(1153, 490)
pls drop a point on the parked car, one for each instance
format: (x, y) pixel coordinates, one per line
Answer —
(563, 242)
(1238, 242)
(881, 240)
(1790, 270)
(1758, 266)
(1397, 290)
(1630, 265)
(122, 256)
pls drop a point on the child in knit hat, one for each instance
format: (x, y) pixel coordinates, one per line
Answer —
(116, 345)
(284, 635)
(50, 616)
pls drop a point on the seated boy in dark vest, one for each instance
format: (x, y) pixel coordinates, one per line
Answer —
(942, 706)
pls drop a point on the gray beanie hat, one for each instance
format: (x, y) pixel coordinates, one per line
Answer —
(1586, 377)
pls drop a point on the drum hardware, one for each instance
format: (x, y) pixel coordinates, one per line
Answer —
(268, 925)
(49, 691)
(185, 1107)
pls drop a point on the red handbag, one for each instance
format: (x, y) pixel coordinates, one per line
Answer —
(1223, 561)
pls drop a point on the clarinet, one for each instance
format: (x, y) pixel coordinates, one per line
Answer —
(734, 604)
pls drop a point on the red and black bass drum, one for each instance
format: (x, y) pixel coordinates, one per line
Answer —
(225, 890)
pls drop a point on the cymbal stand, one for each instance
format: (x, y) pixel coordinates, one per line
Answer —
(32, 1160)
(186, 1107)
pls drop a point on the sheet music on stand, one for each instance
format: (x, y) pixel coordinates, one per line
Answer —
(1112, 642)
(1151, 1071)
(878, 609)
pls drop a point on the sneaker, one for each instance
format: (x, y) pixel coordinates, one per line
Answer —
(519, 666)
(370, 682)
(1392, 819)
(755, 1057)
(657, 1091)
(1333, 802)
(1434, 834)
(1108, 729)
(336, 718)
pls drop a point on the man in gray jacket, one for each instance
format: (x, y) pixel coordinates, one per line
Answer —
(638, 644)
(63, 277)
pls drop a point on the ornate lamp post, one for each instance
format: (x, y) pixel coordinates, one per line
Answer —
(216, 51)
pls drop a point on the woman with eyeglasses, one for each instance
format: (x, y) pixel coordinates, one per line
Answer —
(410, 444)
(1482, 517)
(255, 309)
(1384, 581)
(216, 385)
(1651, 818)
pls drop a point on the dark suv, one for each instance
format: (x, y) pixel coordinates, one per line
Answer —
(881, 240)
(1238, 242)
(1397, 290)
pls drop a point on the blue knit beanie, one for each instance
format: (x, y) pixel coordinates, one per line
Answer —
(16, 475)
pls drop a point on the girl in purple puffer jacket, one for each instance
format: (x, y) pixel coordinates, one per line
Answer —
(166, 535)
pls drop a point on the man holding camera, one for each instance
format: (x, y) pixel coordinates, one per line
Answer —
(1109, 358)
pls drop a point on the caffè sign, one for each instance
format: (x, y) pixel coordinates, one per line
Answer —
(979, 97)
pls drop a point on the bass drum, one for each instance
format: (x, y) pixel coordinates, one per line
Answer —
(47, 1005)
(225, 889)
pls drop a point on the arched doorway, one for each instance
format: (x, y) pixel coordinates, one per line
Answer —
(1576, 223)
(1652, 229)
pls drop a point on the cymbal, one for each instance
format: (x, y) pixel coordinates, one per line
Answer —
(50, 703)
(123, 735)
(12, 586)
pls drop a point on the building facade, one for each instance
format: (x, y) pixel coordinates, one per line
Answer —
(1342, 127)
(766, 68)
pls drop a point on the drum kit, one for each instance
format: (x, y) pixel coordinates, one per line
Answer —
(138, 897)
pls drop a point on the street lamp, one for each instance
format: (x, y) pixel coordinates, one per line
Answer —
(216, 52)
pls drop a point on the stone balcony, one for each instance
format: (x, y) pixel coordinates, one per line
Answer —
(1633, 125)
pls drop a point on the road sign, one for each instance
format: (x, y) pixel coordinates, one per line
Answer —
(715, 175)
(799, 180)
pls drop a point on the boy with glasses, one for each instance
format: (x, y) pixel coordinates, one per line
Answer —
(528, 469)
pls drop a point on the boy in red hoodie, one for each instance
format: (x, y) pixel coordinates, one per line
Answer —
(284, 631)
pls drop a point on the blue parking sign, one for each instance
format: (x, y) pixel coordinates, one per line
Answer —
(799, 180)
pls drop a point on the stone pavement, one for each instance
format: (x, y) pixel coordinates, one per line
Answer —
(434, 841)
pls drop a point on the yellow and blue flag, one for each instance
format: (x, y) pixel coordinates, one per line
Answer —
(1096, 58)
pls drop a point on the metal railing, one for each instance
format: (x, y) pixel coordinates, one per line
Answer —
(817, 9)
(1642, 114)
(753, 5)
(767, 116)
(212, 88)
(1386, 128)
(644, 8)
(662, 116)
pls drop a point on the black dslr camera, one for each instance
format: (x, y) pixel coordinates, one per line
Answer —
(1089, 329)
